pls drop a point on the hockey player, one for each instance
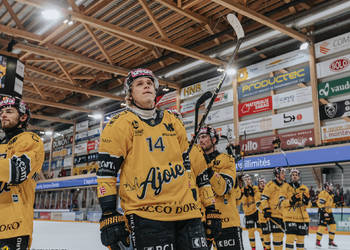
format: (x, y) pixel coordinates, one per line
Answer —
(263, 223)
(147, 146)
(21, 159)
(325, 204)
(295, 199)
(221, 173)
(249, 194)
(270, 205)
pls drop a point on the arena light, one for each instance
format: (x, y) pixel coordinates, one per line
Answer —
(48, 132)
(97, 116)
(166, 89)
(51, 14)
(304, 46)
(231, 71)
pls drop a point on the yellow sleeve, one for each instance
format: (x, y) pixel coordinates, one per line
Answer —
(26, 144)
(115, 141)
(223, 179)
(322, 199)
(198, 165)
(265, 197)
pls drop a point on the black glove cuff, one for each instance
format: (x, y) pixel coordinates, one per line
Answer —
(210, 172)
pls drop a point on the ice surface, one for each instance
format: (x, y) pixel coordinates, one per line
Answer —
(50, 235)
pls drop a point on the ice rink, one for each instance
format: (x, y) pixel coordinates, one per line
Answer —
(86, 236)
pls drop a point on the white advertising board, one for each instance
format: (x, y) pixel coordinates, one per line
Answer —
(336, 132)
(333, 66)
(255, 125)
(273, 64)
(332, 45)
(82, 126)
(291, 98)
(293, 118)
(220, 115)
(80, 148)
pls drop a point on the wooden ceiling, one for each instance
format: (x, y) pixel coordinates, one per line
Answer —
(67, 65)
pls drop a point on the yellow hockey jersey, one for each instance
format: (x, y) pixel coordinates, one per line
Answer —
(298, 212)
(249, 203)
(153, 181)
(326, 200)
(223, 182)
(270, 198)
(261, 218)
(17, 201)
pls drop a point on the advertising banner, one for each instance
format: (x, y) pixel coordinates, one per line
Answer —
(166, 99)
(335, 109)
(276, 82)
(333, 133)
(92, 145)
(255, 125)
(273, 64)
(80, 148)
(297, 158)
(255, 106)
(332, 45)
(333, 66)
(94, 132)
(220, 115)
(297, 139)
(291, 98)
(201, 87)
(81, 136)
(333, 88)
(292, 118)
(255, 145)
(82, 126)
(62, 141)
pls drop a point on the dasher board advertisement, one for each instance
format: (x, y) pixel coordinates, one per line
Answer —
(166, 99)
(279, 81)
(333, 88)
(291, 98)
(255, 106)
(332, 45)
(335, 109)
(333, 133)
(293, 118)
(279, 62)
(84, 125)
(220, 115)
(333, 66)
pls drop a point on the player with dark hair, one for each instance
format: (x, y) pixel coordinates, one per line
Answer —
(221, 173)
(294, 200)
(156, 185)
(271, 206)
(325, 204)
(21, 159)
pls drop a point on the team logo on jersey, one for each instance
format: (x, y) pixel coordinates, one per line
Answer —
(102, 190)
(15, 198)
(169, 127)
(5, 248)
(156, 178)
(4, 187)
(135, 124)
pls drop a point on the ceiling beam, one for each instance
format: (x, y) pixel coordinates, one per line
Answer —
(51, 118)
(262, 19)
(45, 73)
(13, 14)
(73, 88)
(56, 105)
(65, 72)
(19, 33)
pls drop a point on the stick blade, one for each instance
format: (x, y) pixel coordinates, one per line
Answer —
(236, 25)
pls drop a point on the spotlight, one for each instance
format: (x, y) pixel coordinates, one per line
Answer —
(51, 14)
(304, 46)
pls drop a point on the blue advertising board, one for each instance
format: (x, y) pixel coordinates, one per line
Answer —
(275, 82)
(297, 158)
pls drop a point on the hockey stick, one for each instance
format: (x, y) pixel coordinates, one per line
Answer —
(342, 183)
(199, 102)
(273, 221)
(236, 25)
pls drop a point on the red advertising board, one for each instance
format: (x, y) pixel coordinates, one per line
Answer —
(297, 139)
(45, 215)
(255, 106)
(290, 140)
(92, 145)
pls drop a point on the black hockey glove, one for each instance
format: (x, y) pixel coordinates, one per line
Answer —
(294, 199)
(204, 178)
(267, 212)
(20, 168)
(249, 191)
(212, 223)
(113, 230)
(186, 161)
(305, 199)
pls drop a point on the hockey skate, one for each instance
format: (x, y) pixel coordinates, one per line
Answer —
(318, 244)
(332, 245)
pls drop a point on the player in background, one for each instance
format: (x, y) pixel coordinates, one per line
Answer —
(325, 204)
(221, 173)
(147, 146)
(248, 199)
(262, 221)
(271, 208)
(204, 192)
(294, 200)
(21, 159)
